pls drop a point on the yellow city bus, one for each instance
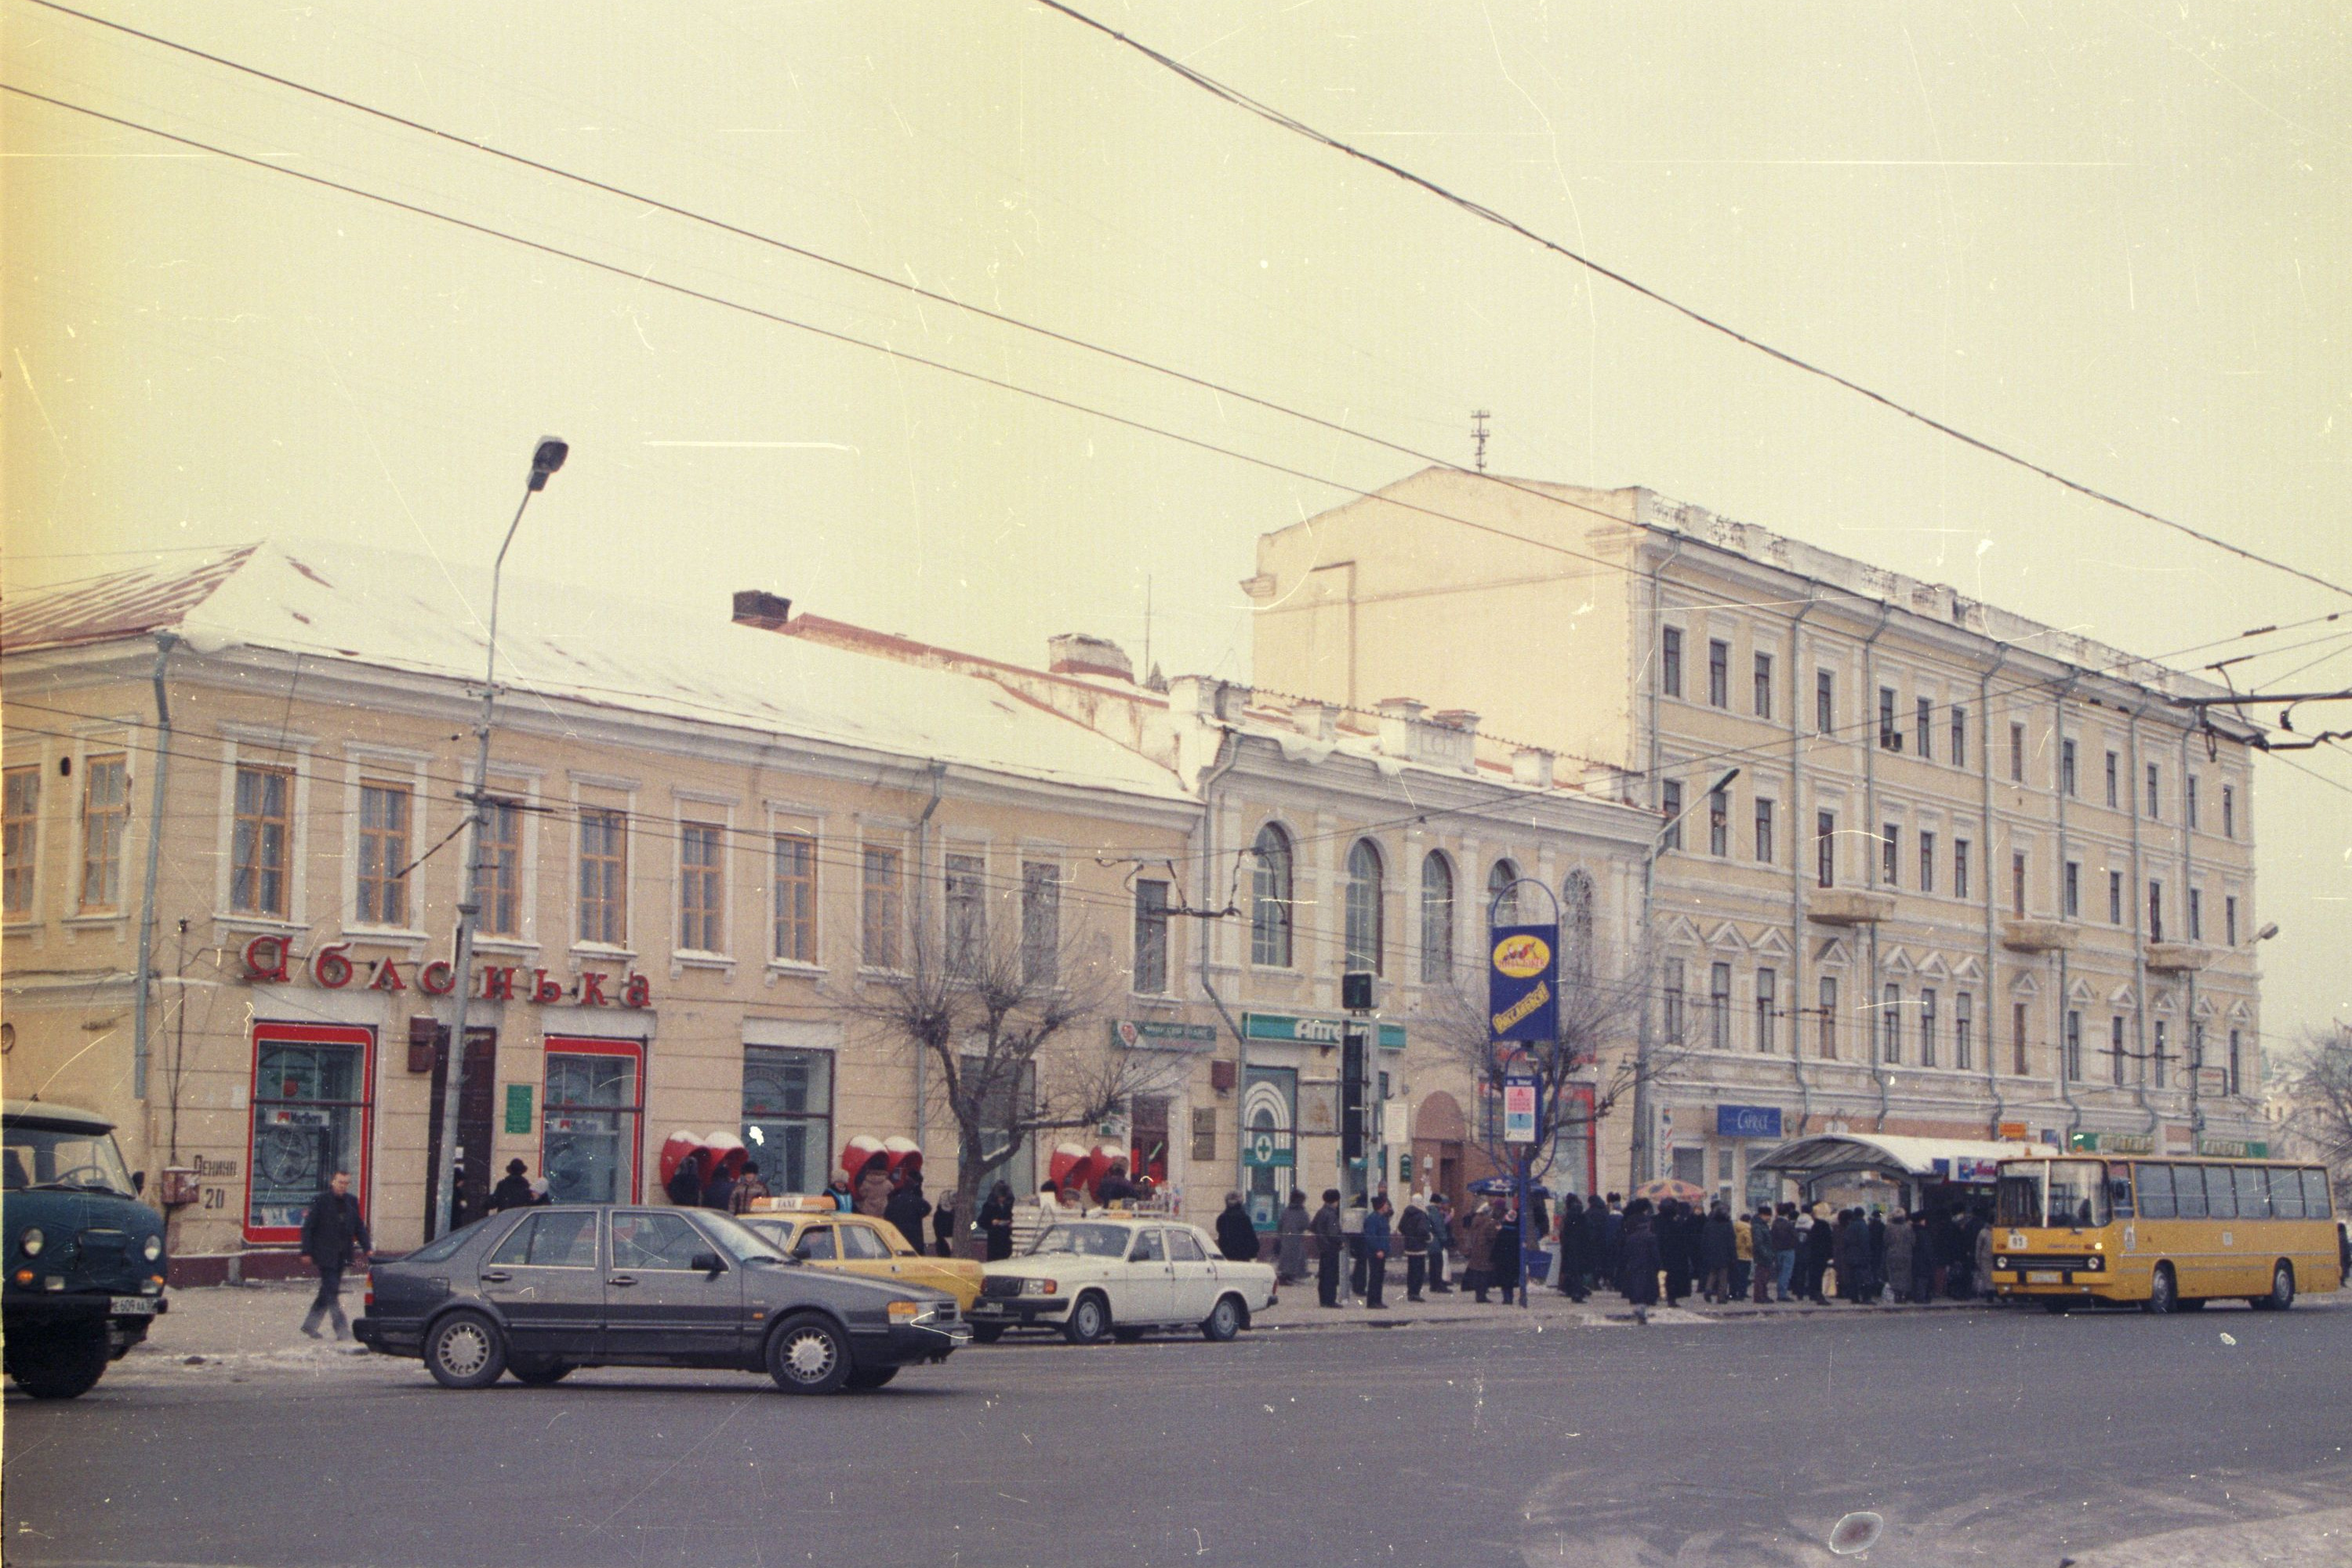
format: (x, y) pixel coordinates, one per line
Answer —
(2165, 1234)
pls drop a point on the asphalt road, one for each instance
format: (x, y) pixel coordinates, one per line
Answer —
(1998, 1437)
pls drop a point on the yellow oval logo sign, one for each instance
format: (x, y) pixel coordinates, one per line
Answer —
(1522, 957)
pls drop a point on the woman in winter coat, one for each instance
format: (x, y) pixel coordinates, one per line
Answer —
(1290, 1248)
(1641, 1259)
(1899, 1243)
(1820, 1242)
(1479, 1252)
(1852, 1257)
(1718, 1249)
(996, 1222)
(1575, 1250)
(1674, 1250)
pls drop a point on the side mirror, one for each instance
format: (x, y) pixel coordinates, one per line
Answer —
(138, 1181)
(708, 1262)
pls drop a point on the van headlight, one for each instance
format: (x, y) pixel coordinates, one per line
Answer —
(30, 1242)
(154, 1247)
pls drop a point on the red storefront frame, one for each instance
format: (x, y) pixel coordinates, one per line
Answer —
(598, 1046)
(265, 1034)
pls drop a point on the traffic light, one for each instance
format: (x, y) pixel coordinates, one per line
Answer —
(1355, 991)
(1352, 1041)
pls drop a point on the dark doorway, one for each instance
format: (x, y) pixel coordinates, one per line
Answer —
(473, 1125)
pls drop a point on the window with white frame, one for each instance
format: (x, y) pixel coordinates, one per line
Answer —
(382, 872)
(701, 887)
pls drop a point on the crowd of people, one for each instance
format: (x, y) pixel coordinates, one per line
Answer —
(1649, 1253)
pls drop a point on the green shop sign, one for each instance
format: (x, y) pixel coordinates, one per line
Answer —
(2234, 1148)
(518, 1108)
(1143, 1034)
(2113, 1143)
(1299, 1031)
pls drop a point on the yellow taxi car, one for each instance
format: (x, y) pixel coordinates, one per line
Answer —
(813, 1230)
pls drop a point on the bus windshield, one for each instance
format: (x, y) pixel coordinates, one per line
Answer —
(2069, 1193)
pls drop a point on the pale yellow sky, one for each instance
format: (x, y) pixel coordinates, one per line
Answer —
(2113, 237)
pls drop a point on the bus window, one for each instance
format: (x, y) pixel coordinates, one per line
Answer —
(2188, 1191)
(2253, 1191)
(2220, 1197)
(2155, 1191)
(2017, 1200)
(2315, 1195)
(2286, 1194)
(2078, 1193)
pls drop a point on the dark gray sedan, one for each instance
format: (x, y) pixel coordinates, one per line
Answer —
(540, 1292)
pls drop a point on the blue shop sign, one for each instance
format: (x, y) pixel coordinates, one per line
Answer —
(1748, 1121)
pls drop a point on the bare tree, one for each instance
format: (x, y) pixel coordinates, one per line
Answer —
(2317, 1085)
(1002, 1026)
(1591, 1048)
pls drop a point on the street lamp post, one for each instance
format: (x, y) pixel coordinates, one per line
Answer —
(545, 460)
(1641, 1151)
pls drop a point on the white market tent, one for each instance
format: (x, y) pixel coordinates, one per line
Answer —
(1911, 1164)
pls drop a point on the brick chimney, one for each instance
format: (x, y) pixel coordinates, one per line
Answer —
(1074, 653)
(758, 607)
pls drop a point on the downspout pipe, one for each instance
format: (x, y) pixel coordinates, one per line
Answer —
(2193, 1032)
(1888, 1029)
(1992, 915)
(2065, 1092)
(2140, 933)
(1641, 1151)
(1797, 878)
(164, 643)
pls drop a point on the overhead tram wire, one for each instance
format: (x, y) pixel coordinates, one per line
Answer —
(642, 278)
(1272, 116)
(885, 280)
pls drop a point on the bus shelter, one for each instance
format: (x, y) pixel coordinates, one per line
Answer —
(1926, 1171)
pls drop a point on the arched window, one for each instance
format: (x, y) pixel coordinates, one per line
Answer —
(1436, 920)
(1499, 880)
(1576, 909)
(1364, 944)
(1270, 906)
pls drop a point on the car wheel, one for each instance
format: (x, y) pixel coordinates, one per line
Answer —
(1127, 1336)
(64, 1364)
(465, 1350)
(538, 1371)
(2282, 1294)
(1223, 1322)
(987, 1334)
(2163, 1292)
(808, 1354)
(1089, 1321)
(867, 1377)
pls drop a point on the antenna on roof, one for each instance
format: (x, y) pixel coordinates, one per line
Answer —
(1478, 418)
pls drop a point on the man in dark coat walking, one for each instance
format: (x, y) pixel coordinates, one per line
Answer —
(1673, 1242)
(331, 1232)
(1412, 1241)
(1236, 1237)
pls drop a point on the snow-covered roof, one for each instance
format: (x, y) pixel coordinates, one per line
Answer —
(426, 616)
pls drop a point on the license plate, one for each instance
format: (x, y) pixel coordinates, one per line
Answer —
(2041, 1276)
(131, 1305)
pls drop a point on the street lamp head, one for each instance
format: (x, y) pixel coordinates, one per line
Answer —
(1725, 781)
(549, 458)
(2267, 932)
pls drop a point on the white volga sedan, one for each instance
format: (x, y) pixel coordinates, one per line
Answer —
(1121, 1278)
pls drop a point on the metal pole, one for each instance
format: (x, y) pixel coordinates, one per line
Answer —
(469, 905)
(164, 643)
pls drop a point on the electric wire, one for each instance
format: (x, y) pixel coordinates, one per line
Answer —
(1272, 116)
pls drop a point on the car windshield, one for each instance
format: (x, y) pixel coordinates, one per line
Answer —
(56, 1159)
(738, 1240)
(2068, 1193)
(1084, 1240)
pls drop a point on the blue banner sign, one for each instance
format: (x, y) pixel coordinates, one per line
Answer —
(1520, 1002)
(1748, 1121)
